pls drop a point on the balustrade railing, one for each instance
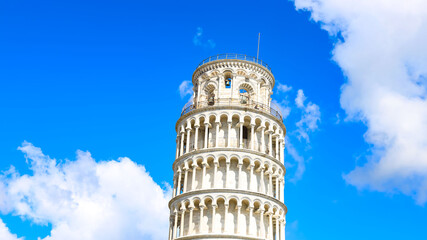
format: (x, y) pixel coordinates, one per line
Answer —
(235, 56)
(272, 109)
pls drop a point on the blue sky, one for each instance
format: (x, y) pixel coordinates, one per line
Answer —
(103, 77)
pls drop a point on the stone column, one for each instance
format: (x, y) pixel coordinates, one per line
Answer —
(252, 137)
(170, 228)
(239, 176)
(270, 183)
(190, 220)
(277, 148)
(181, 230)
(214, 206)
(187, 149)
(251, 210)
(251, 177)
(175, 226)
(262, 184)
(177, 147)
(182, 144)
(204, 174)
(237, 228)
(270, 225)
(270, 143)
(282, 151)
(217, 134)
(228, 133)
(262, 140)
(277, 186)
(174, 186)
(241, 135)
(282, 232)
(227, 169)
(277, 228)
(201, 208)
(196, 137)
(185, 179)
(206, 134)
(282, 197)
(193, 176)
(261, 223)
(214, 176)
(225, 217)
(178, 189)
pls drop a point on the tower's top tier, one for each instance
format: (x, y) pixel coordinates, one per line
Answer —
(233, 79)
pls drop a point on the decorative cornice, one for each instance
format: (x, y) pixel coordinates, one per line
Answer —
(234, 63)
(216, 235)
(227, 190)
(233, 150)
(231, 107)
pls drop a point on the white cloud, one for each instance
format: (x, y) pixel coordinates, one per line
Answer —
(284, 107)
(5, 233)
(85, 199)
(309, 118)
(298, 159)
(185, 88)
(198, 40)
(299, 100)
(283, 88)
(381, 47)
(337, 118)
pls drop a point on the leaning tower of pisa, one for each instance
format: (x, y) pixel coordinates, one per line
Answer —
(229, 171)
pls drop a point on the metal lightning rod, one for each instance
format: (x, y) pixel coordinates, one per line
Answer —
(257, 52)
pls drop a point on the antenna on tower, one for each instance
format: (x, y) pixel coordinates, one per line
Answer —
(257, 52)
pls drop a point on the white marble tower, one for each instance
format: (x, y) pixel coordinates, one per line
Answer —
(228, 171)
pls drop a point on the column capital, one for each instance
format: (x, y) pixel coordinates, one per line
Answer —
(261, 209)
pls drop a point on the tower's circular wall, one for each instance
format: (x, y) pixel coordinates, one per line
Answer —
(229, 167)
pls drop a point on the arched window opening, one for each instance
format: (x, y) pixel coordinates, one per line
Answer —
(244, 96)
(245, 132)
(211, 98)
(228, 79)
